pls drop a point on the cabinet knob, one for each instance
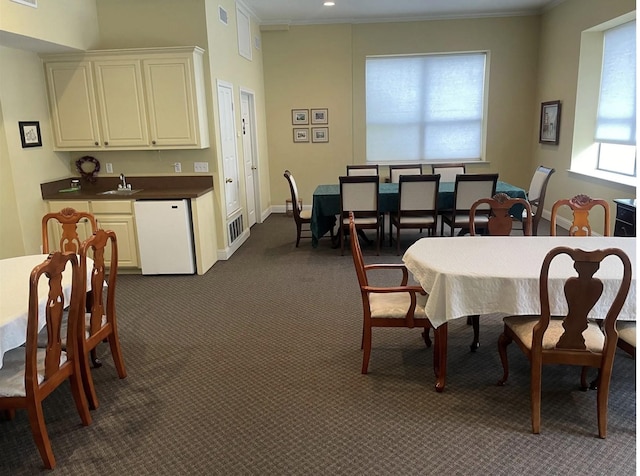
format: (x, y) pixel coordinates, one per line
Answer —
(153, 142)
(96, 143)
(106, 143)
(229, 180)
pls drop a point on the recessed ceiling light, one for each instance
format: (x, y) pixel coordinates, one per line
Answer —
(329, 4)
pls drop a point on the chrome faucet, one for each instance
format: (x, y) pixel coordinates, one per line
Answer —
(123, 182)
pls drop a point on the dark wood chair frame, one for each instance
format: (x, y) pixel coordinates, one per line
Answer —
(54, 373)
(69, 219)
(582, 293)
(357, 168)
(537, 203)
(295, 205)
(410, 320)
(400, 168)
(373, 212)
(451, 218)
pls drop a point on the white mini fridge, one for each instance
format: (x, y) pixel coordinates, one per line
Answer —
(165, 236)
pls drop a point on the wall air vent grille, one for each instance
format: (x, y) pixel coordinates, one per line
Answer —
(223, 15)
(29, 3)
(235, 229)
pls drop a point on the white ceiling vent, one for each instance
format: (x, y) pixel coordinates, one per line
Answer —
(30, 3)
(223, 15)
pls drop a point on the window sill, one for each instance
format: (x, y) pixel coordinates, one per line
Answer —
(607, 177)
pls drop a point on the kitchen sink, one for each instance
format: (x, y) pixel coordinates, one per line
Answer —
(120, 191)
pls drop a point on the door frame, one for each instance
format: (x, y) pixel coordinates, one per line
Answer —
(251, 95)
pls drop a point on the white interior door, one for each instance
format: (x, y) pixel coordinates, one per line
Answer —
(228, 146)
(248, 147)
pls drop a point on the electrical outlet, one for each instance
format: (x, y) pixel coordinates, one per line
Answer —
(201, 166)
(109, 167)
(177, 167)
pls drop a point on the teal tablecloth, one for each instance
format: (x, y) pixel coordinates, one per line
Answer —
(326, 203)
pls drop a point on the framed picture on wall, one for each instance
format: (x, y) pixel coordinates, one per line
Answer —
(319, 134)
(319, 116)
(30, 134)
(299, 116)
(550, 122)
(300, 134)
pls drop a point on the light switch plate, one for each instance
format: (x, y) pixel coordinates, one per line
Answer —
(177, 167)
(109, 167)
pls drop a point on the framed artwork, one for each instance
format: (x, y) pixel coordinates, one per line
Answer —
(319, 134)
(319, 116)
(299, 116)
(30, 134)
(550, 122)
(300, 134)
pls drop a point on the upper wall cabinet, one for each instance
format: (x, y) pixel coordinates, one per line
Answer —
(128, 99)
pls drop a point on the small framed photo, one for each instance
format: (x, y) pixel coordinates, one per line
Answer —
(319, 134)
(319, 116)
(550, 122)
(299, 116)
(30, 134)
(300, 134)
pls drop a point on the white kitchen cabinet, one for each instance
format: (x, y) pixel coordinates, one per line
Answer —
(135, 99)
(116, 215)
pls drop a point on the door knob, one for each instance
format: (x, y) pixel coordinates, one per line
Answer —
(229, 180)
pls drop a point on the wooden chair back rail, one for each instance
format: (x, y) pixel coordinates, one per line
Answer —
(500, 220)
(581, 205)
(360, 170)
(68, 218)
(395, 171)
(448, 172)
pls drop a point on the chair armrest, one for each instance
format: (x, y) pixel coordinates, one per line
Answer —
(390, 266)
(395, 289)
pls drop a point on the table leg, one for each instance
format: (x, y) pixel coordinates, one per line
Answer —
(440, 356)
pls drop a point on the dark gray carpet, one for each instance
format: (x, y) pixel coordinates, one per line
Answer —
(254, 368)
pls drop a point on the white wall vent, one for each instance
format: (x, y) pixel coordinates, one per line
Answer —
(236, 228)
(257, 43)
(223, 16)
(30, 3)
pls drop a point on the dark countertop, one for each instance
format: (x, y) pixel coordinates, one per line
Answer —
(151, 188)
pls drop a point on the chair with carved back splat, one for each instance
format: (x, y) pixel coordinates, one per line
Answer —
(572, 339)
(500, 223)
(397, 306)
(29, 374)
(68, 218)
(581, 205)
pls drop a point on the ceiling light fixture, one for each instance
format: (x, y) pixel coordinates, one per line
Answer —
(329, 4)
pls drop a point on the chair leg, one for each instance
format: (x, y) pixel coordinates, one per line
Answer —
(503, 341)
(604, 379)
(475, 322)
(342, 239)
(426, 337)
(366, 351)
(40, 435)
(95, 361)
(299, 230)
(91, 398)
(116, 353)
(536, 393)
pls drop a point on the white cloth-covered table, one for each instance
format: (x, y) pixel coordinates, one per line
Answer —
(14, 297)
(489, 274)
(470, 275)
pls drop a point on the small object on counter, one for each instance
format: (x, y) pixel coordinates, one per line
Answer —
(75, 184)
(68, 190)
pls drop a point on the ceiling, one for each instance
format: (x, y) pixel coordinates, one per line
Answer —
(273, 12)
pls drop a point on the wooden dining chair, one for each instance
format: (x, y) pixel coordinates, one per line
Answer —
(358, 170)
(627, 337)
(101, 323)
(401, 305)
(29, 374)
(359, 194)
(581, 205)
(395, 171)
(68, 219)
(417, 205)
(301, 217)
(536, 194)
(573, 339)
(468, 189)
(448, 172)
(500, 223)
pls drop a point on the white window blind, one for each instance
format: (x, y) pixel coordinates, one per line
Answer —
(616, 120)
(425, 107)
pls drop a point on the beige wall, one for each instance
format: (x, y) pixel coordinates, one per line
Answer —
(559, 56)
(323, 66)
(23, 98)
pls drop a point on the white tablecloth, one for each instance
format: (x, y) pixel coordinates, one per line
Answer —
(14, 298)
(470, 275)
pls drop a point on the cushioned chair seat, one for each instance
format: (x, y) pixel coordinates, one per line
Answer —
(362, 221)
(13, 370)
(522, 327)
(627, 332)
(424, 220)
(395, 305)
(305, 214)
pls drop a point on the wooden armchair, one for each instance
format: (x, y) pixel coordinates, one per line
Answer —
(68, 219)
(581, 205)
(30, 374)
(397, 306)
(572, 339)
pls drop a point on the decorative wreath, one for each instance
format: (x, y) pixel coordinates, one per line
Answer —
(88, 167)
